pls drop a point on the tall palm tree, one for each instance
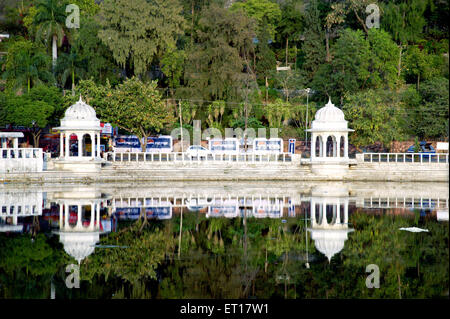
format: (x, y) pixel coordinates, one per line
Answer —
(50, 20)
(70, 64)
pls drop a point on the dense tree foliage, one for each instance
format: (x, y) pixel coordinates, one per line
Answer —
(204, 51)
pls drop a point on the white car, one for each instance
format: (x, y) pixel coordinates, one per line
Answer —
(197, 151)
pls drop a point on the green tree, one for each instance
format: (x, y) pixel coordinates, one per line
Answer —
(173, 66)
(70, 65)
(289, 81)
(349, 70)
(25, 111)
(26, 65)
(100, 62)
(140, 31)
(383, 61)
(290, 26)
(404, 20)
(265, 12)
(428, 114)
(216, 61)
(313, 46)
(50, 20)
(418, 64)
(137, 107)
(374, 115)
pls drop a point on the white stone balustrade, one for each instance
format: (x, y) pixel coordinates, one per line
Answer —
(422, 158)
(21, 160)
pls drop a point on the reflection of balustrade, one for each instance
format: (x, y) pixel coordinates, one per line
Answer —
(21, 160)
(14, 205)
(406, 202)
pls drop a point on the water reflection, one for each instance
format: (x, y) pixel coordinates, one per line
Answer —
(80, 225)
(236, 233)
(329, 219)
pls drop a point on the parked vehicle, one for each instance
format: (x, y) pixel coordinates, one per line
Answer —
(425, 148)
(197, 151)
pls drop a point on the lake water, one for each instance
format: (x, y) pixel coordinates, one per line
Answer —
(225, 240)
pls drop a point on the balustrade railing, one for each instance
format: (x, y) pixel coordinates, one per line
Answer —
(178, 157)
(422, 158)
(21, 159)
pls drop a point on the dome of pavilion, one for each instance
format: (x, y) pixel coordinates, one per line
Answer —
(329, 241)
(79, 245)
(329, 113)
(80, 116)
(329, 118)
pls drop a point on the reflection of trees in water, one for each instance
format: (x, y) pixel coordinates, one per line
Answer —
(27, 266)
(227, 258)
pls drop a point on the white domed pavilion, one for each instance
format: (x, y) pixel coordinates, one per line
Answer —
(329, 141)
(79, 139)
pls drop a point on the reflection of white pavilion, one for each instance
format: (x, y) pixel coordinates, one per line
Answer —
(329, 219)
(329, 142)
(80, 122)
(79, 238)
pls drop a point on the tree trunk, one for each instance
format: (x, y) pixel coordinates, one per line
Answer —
(73, 82)
(287, 47)
(361, 21)
(28, 84)
(399, 66)
(327, 46)
(144, 143)
(192, 32)
(36, 137)
(54, 52)
(267, 90)
(418, 81)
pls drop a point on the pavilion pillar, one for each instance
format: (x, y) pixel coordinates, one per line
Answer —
(91, 223)
(324, 214)
(60, 215)
(16, 142)
(98, 144)
(61, 145)
(346, 212)
(66, 216)
(338, 146)
(80, 144)
(345, 146)
(313, 145)
(92, 144)
(79, 224)
(334, 146)
(338, 213)
(67, 152)
(98, 215)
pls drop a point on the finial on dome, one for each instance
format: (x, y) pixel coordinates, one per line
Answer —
(329, 102)
(80, 100)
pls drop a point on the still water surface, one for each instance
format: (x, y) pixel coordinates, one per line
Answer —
(225, 240)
